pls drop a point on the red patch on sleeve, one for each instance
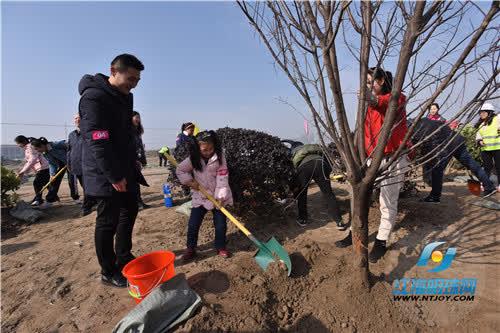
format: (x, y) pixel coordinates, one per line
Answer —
(222, 172)
(100, 135)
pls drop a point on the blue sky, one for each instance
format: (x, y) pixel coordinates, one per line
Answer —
(204, 63)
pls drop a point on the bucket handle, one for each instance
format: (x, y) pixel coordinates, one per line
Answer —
(150, 289)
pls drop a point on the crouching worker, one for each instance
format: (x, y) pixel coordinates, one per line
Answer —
(446, 144)
(206, 166)
(311, 164)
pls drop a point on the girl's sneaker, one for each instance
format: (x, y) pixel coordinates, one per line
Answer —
(224, 253)
(189, 254)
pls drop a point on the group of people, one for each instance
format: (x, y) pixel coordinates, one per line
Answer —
(106, 154)
(51, 160)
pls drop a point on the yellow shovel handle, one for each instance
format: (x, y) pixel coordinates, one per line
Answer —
(215, 202)
(52, 179)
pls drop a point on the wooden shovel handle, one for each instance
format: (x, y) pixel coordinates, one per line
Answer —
(215, 202)
(52, 179)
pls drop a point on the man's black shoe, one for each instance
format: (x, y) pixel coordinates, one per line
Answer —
(431, 199)
(378, 251)
(115, 280)
(345, 242)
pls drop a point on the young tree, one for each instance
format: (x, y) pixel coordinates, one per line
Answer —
(438, 50)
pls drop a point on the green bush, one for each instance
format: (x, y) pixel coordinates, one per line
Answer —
(10, 183)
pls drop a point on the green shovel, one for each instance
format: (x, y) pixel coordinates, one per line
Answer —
(268, 252)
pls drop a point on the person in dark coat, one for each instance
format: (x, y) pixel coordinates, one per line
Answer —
(187, 131)
(311, 164)
(140, 151)
(444, 144)
(55, 152)
(75, 173)
(109, 166)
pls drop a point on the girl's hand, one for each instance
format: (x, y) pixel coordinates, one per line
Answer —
(194, 185)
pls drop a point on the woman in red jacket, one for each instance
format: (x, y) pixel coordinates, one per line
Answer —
(378, 97)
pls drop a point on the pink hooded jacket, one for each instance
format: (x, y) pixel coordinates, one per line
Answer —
(34, 160)
(214, 177)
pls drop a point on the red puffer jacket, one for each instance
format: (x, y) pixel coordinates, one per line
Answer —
(375, 119)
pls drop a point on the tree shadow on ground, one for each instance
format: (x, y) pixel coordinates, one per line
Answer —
(11, 248)
(432, 223)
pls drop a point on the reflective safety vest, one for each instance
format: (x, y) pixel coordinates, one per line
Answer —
(163, 150)
(490, 135)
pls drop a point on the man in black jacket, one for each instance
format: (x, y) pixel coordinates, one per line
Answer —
(109, 165)
(440, 141)
(74, 163)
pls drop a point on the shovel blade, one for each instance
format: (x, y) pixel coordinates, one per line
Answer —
(273, 251)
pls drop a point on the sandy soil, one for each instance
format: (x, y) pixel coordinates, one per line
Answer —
(50, 276)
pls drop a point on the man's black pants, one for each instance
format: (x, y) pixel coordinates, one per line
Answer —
(113, 231)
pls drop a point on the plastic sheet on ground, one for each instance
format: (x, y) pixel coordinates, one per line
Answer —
(185, 208)
(485, 203)
(24, 212)
(165, 307)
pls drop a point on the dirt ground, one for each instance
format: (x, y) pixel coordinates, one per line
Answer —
(50, 275)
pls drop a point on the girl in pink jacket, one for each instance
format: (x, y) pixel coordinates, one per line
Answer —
(206, 166)
(36, 163)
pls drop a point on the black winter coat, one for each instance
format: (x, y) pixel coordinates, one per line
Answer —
(108, 153)
(438, 140)
(74, 158)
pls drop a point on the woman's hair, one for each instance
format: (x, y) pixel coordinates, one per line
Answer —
(185, 126)
(37, 143)
(378, 73)
(436, 105)
(488, 120)
(21, 139)
(194, 148)
(140, 128)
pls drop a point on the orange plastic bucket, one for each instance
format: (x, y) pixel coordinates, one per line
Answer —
(147, 272)
(474, 186)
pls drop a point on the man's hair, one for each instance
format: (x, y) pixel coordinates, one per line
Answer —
(124, 61)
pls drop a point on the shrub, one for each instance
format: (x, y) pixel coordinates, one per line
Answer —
(10, 183)
(260, 168)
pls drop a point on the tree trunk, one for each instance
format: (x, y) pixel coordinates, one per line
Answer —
(360, 206)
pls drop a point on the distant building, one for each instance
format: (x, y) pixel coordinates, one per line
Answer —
(12, 152)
